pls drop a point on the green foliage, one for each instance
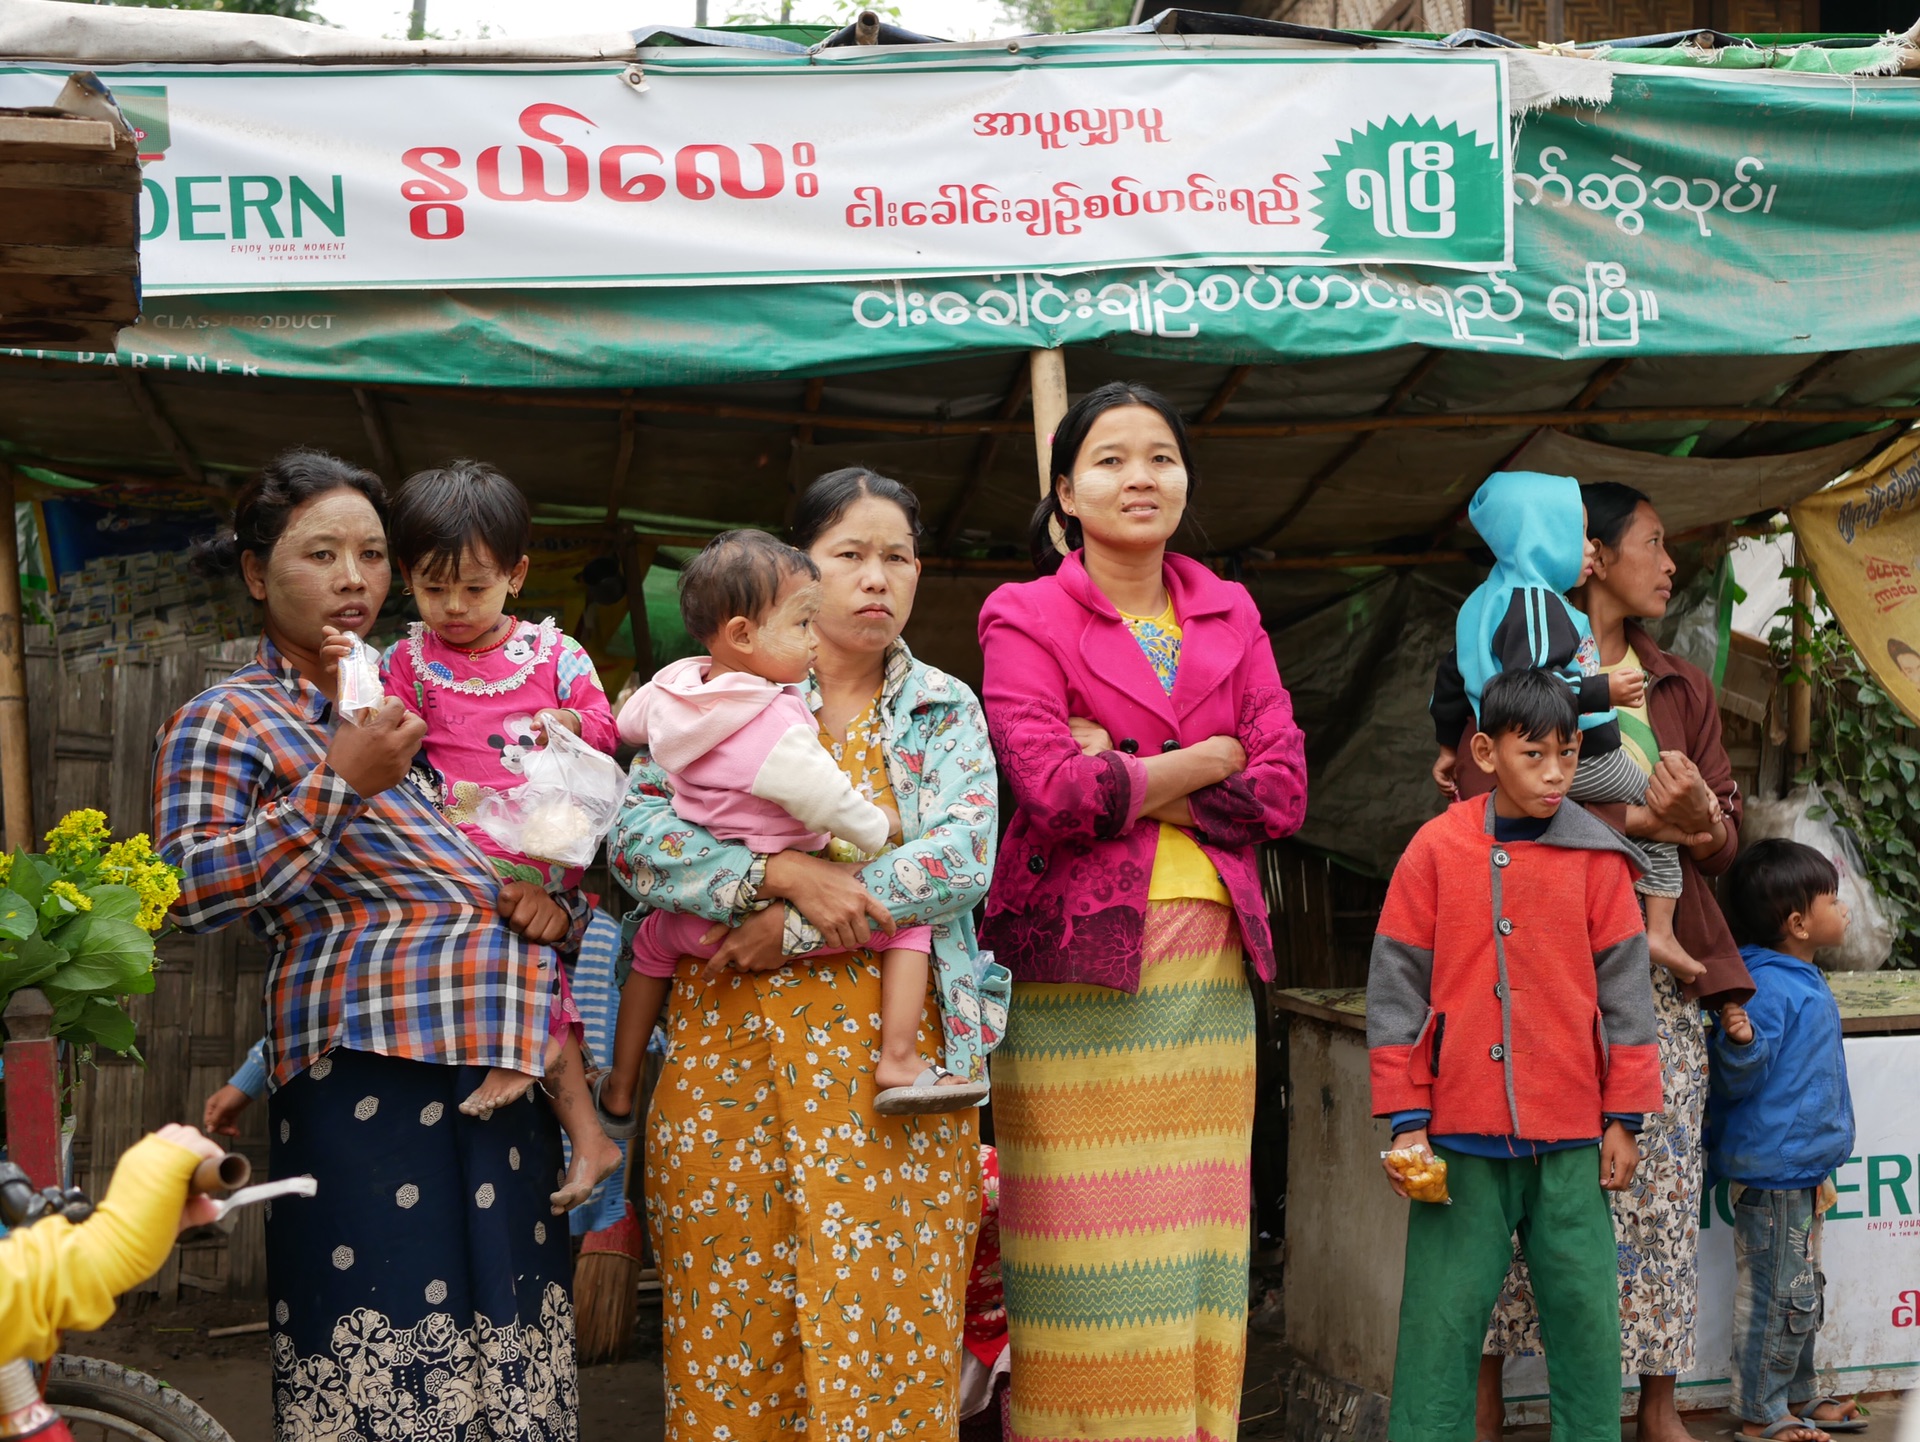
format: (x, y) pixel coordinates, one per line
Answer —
(78, 921)
(289, 9)
(1863, 755)
(835, 13)
(1061, 17)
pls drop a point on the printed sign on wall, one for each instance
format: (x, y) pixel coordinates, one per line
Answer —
(716, 168)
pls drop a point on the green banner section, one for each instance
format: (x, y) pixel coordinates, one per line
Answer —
(1695, 214)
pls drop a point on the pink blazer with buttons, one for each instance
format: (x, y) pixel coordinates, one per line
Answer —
(1069, 895)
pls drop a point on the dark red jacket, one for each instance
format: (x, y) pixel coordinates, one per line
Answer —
(1508, 991)
(1685, 716)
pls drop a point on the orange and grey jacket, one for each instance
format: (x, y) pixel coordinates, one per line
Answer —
(1508, 993)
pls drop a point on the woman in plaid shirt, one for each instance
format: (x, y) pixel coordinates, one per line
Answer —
(423, 1291)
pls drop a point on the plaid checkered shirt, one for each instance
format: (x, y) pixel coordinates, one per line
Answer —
(379, 913)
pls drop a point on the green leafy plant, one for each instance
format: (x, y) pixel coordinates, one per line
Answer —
(1862, 754)
(78, 921)
(1065, 17)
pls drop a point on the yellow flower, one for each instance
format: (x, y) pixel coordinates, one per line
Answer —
(133, 863)
(6, 867)
(72, 895)
(78, 838)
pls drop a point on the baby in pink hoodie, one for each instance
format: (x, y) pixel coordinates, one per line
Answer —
(743, 752)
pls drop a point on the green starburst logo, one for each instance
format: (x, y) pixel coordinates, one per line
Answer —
(1412, 190)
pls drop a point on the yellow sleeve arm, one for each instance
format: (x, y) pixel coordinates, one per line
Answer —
(56, 1277)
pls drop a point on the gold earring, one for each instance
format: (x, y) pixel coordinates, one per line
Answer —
(406, 590)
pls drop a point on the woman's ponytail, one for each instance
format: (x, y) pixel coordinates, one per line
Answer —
(216, 556)
(1040, 543)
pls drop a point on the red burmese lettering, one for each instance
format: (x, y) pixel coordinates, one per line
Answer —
(803, 153)
(1036, 215)
(695, 184)
(985, 204)
(1201, 193)
(868, 205)
(631, 188)
(1906, 1312)
(533, 166)
(1278, 204)
(451, 222)
(806, 184)
(1097, 207)
(1066, 208)
(951, 208)
(914, 212)
(1150, 123)
(1078, 122)
(1125, 202)
(426, 161)
(1159, 202)
(1047, 127)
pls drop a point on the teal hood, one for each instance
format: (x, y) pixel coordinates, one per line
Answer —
(1534, 525)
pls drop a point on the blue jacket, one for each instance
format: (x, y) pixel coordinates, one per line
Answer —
(1779, 1114)
(1518, 617)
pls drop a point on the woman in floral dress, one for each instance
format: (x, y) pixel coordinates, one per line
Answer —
(814, 1254)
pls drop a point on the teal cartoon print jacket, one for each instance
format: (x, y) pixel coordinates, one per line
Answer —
(944, 782)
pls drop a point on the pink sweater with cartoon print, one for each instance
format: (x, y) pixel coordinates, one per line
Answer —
(746, 762)
(479, 711)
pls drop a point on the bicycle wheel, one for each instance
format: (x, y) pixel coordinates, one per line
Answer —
(105, 1402)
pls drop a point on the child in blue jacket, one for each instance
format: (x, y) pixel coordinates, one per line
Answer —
(1779, 1120)
(1519, 618)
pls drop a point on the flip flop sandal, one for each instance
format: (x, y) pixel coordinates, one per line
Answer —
(927, 1095)
(619, 1129)
(1855, 1423)
(1774, 1429)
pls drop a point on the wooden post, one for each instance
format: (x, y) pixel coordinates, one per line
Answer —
(1800, 693)
(1049, 405)
(33, 1088)
(16, 770)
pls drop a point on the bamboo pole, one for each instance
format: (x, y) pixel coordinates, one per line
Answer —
(16, 769)
(1049, 405)
(1800, 693)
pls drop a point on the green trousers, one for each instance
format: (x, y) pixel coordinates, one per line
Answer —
(1457, 1257)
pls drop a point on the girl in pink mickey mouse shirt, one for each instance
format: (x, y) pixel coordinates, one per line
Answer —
(488, 685)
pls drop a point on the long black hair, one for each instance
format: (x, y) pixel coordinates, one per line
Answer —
(1610, 507)
(266, 503)
(825, 501)
(1067, 442)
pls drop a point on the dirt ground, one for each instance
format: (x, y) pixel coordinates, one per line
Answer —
(621, 1402)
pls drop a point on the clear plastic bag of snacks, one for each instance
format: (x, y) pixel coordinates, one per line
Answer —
(563, 809)
(361, 690)
(1422, 1173)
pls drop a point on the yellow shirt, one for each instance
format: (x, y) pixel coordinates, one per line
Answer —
(1636, 731)
(1180, 868)
(56, 1277)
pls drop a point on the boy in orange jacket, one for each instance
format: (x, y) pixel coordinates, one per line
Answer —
(1510, 1027)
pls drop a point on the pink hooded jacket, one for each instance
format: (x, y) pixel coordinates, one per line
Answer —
(746, 761)
(1069, 895)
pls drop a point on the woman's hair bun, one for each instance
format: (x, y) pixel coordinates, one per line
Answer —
(216, 555)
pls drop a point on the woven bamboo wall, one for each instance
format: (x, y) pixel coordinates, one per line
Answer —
(92, 735)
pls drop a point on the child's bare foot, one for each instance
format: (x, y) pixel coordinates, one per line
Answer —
(594, 1156)
(501, 1088)
(1666, 950)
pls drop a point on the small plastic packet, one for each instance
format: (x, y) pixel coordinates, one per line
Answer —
(361, 690)
(563, 809)
(1422, 1173)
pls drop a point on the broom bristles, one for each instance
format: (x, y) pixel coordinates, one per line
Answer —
(606, 1304)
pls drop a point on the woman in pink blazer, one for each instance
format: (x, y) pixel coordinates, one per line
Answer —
(1140, 721)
